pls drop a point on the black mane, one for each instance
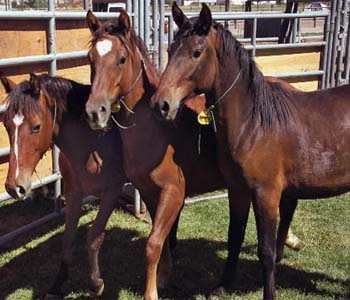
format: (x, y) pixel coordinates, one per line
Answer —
(67, 94)
(271, 101)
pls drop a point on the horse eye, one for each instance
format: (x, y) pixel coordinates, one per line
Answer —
(122, 61)
(197, 53)
(36, 128)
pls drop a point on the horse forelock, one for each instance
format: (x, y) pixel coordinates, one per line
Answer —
(22, 98)
(132, 42)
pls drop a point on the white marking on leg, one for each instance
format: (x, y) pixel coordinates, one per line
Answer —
(17, 120)
(103, 47)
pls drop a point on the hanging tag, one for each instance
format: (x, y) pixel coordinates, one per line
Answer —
(204, 117)
(115, 107)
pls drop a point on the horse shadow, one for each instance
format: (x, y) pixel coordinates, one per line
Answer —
(198, 264)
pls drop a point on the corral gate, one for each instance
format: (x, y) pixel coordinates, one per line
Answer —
(156, 28)
(337, 51)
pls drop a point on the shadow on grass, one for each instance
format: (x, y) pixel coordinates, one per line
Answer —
(197, 268)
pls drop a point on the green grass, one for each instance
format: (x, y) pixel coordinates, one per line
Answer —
(319, 271)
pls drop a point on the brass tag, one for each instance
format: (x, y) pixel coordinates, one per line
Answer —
(204, 117)
(115, 107)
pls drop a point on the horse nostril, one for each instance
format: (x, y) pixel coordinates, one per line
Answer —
(103, 109)
(94, 116)
(164, 107)
(21, 190)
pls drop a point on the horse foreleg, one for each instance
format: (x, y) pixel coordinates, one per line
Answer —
(287, 208)
(73, 206)
(239, 211)
(170, 203)
(173, 235)
(165, 266)
(95, 239)
(266, 205)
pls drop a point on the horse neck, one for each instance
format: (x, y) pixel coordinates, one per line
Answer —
(238, 100)
(143, 88)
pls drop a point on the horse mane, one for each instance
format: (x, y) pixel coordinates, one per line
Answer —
(272, 103)
(133, 43)
(63, 92)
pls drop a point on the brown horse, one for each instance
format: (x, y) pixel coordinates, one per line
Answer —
(164, 162)
(161, 162)
(275, 145)
(49, 109)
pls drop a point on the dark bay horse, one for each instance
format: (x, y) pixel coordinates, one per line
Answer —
(49, 109)
(165, 162)
(275, 145)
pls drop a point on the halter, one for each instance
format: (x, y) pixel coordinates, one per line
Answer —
(122, 100)
(134, 84)
(210, 109)
(54, 115)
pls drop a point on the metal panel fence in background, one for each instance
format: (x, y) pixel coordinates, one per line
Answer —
(253, 45)
(52, 57)
(337, 54)
(149, 21)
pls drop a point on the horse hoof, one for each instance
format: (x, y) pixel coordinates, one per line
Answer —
(97, 287)
(217, 293)
(52, 297)
(294, 242)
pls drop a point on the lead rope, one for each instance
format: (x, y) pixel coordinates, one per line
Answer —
(120, 125)
(199, 140)
(126, 107)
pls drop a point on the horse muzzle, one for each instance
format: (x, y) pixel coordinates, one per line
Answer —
(18, 191)
(165, 110)
(97, 115)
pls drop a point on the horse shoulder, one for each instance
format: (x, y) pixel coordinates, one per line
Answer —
(168, 171)
(264, 160)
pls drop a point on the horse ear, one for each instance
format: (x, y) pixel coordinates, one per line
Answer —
(124, 21)
(92, 22)
(178, 15)
(35, 84)
(8, 84)
(204, 22)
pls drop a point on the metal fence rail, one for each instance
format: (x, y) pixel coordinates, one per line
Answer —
(52, 57)
(254, 46)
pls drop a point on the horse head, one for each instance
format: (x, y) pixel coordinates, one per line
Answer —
(29, 123)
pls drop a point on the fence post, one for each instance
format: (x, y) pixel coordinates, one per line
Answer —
(161, 34)
(53, 71)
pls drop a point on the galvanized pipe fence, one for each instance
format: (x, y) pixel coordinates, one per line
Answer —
(337, 54)
(151, 23)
